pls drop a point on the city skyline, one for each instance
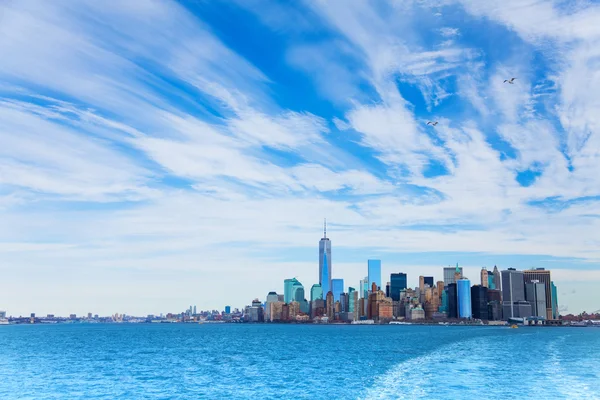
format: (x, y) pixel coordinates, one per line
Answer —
(159, 154)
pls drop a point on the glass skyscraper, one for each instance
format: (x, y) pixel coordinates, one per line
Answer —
(316, 292)
(374, 270)
(351, 304)
(288, 289)
(428, 280)
(463, 295)
(554, 300)
(325, 270)
(397, 284)
(337, 287)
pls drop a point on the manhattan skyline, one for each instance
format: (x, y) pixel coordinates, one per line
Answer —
(159, 154)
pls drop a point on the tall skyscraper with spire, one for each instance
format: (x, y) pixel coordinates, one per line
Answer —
(325, 270)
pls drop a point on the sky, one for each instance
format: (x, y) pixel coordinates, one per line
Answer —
(159, 154)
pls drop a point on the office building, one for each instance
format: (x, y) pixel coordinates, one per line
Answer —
(316, 292)
(227, 309)
(428, 280)
(288, 289)
(421, 285)
(374, 272)
(271, 298)
(397, 284)
(387, 289)
(298, 292)
(535, 294)
(494, 311)
(517, 309)
(450, 274)
(256, 311)
(275, 310)
(491, 282)
(494, 295)
(479, 301)
(463, 290)
(513, 292)
(317, 308)
(330, 306)
(344, 302)
(497, 280)
(354, 304)
(337, 287)
(542, 275)
(484, 277)
(452, 301)
(554, 300)
(444, 302)
(325, 265)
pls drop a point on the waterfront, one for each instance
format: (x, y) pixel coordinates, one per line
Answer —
(235, 361)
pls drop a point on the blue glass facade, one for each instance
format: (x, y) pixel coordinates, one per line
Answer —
(397, 284)
(227, 310)
(316, 292)
(463, 295)
(491, 283)
(374, 269)
(351, 304)
(325, 276)
(288, 289)
(428, 280)
(337, 288)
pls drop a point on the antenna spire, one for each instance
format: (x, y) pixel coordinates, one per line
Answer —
(325, 229)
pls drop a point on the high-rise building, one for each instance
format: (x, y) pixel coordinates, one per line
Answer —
(337, 287)
(374, 270)
(491, 281)
(344, 302)
(354, 300)
(497, 280)
(298, 292)
(421, 284)
(542, 275)
(316, 292)
(271, 298)
(428, 280)
(554, 300)
(479, 301)
(449, 274)
(463, 294)
(513, 292)
(387, 289)
(276, 310)
(325, 265)
(288, 289)
(227, 309)
(330, 305)
(484, 277)
(351, 300)
(397, 284)
(452, 301)
(535, 294)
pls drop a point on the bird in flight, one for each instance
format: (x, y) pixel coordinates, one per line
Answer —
(432, 123)
(511, 81)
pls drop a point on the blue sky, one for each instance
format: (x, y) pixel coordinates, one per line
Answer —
(159, 154)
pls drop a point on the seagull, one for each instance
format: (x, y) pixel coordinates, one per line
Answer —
(511, 81)
(432, 123)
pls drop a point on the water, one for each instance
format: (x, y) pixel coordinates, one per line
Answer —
(94, 361)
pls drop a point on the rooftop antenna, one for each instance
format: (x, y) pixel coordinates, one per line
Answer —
(325, 229)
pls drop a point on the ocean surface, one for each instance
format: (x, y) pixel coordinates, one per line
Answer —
(243, 361)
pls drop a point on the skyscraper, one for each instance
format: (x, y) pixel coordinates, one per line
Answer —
(288, 285)
(337, 287)
(329, 305)
(554, 300)
(428, 280)
(497, 280)
(452, 301)
(272, 297)
(449, 274)
(535, 293)
(491, 281)
(484, 277)
(397, 284)
(542, 275)
(316, 292)
(374, 270)
(513, 294)
(479, 301)
(351, 299)
(463, 289)
(325, 268)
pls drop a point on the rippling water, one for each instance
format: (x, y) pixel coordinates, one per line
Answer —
(87, 361)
